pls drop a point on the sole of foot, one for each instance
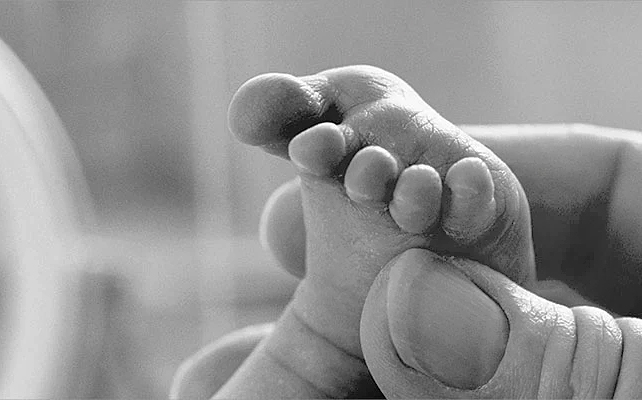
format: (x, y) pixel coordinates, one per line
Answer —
(380, 172)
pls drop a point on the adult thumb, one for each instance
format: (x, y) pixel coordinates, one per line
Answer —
(436, 327)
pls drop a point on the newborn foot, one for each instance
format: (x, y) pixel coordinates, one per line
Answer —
(381, 172)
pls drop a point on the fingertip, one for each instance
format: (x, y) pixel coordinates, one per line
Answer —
(441, 323)
(540, 348)
(282, 228)
(461, 325)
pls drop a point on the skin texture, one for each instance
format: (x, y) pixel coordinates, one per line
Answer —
(351, 133)
(564, 168)
(551, 351)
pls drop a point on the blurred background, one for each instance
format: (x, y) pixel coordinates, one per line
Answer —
(143, 88)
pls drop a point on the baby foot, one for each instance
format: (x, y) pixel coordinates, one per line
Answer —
(381, 172)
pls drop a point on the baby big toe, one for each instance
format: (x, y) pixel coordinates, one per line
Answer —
(270, 109)
(371, 177)
(318, 150)
(471, 209)
(416, 201)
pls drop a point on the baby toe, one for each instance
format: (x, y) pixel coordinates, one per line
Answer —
(318, 150)
(270, 109)
(471, 207)
(371, 176)
(416, 201)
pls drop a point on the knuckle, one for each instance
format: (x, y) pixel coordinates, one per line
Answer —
(598, 351)
(558, 354)
(629, 385)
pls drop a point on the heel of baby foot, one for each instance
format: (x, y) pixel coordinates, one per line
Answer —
(297, 362)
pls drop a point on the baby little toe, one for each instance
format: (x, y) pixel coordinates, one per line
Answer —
(471, 208)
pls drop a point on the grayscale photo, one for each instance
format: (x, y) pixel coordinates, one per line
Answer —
(320, 199)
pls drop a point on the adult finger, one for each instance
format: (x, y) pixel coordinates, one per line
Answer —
(561, 167)
(282, 230)
(549, 159)
(450, 328)
(583, 185)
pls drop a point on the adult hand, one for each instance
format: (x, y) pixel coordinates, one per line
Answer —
(439, 328)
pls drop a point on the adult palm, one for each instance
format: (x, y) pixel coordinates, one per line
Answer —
(584, 188)
(583, 184)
